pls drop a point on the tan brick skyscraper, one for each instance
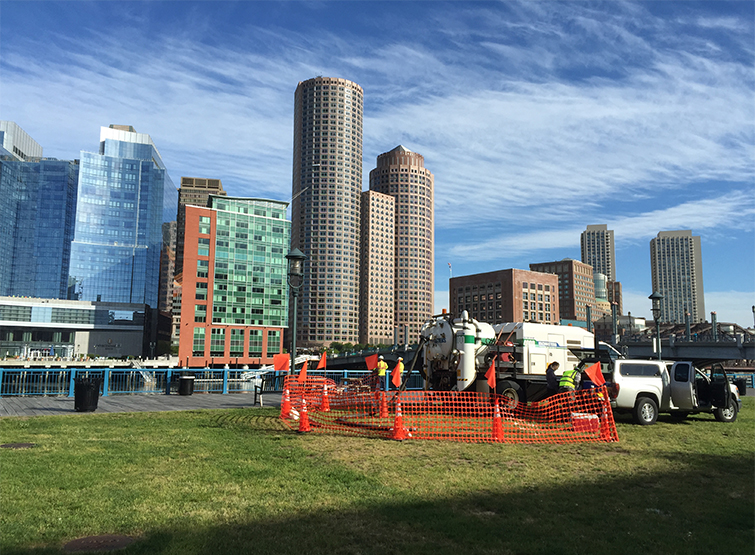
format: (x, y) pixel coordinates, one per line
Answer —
(325, 208)
(401, 174)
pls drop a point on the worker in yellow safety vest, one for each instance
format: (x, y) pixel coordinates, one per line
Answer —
(569, 380)
(382, 366)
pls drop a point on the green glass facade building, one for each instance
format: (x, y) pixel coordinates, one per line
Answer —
(234, 302)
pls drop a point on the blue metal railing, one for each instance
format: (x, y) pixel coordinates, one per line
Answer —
(25, 382)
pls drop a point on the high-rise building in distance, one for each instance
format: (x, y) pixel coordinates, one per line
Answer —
(194, 191)
(124, 196)
(677, 274)
(325, 208)
(401, 174)
(377, 269)
(598, 250)
(167, 267)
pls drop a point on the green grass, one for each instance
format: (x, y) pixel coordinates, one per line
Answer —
(237, 481)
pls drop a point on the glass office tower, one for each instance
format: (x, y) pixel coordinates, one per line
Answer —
(37, 206)
(125, 195)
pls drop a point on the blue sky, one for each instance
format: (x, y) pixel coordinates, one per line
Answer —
(537, 118)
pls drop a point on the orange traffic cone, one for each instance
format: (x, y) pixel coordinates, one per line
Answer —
(497, 426)
(325, 405)
(304, 418)
(285, 405)
(399, 432)
(383, 405)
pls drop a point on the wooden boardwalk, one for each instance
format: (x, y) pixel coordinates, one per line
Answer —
(46, 406)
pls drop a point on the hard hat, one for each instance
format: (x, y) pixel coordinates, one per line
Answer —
(400, 358)
(381, 357)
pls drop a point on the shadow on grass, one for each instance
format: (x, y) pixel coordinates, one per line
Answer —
(700, 504)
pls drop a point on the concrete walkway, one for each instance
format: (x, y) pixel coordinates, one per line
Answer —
(45, 406)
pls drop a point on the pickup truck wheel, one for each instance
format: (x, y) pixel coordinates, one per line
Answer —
(728, 414)
(512, 391)
(645, 411)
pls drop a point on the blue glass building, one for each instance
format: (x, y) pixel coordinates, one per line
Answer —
(125, 194)
(37, 207)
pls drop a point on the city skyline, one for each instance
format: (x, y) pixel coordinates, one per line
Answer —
(537, 119)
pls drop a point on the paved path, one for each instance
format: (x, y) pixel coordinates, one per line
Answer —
(45, 406)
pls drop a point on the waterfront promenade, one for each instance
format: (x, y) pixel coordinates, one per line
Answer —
(47, 405)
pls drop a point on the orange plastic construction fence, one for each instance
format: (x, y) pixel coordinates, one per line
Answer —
(320, 405)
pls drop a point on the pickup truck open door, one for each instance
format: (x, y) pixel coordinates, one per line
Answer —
(720, 392)
(683, 392)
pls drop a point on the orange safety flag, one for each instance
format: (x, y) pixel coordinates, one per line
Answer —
(595, 375)
(490, 374)
(321, 364)
(303, 374)
(396, 375)
(280, 362)
(372, 361)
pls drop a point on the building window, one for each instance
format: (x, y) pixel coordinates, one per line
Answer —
(201, 292)
(237, 343)
(198, 345)
(200, 313)
(273, 342)
(255, 343)
(203, 247)
(203, 268)
(217, 342)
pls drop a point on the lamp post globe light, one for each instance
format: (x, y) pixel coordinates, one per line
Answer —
(295, 279)
(656, 299)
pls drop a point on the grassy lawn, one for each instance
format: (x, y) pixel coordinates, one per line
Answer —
(237, 481)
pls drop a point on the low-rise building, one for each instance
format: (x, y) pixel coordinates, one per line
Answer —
(35, 328)
(506, 296)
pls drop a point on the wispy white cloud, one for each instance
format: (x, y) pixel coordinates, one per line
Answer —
(736, 208)
(534, 116)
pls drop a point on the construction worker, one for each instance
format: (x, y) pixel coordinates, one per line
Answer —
(551, 378)
(382, 366)
(569, 380)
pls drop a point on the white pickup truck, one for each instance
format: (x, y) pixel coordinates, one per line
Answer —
(647, 387)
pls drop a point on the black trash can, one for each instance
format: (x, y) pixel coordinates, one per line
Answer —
(86, 394)
(186, 385)
(741, 384)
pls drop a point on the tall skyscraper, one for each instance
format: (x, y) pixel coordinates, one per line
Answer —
(325, 208)
(598, 250)
(125, 195)
(194, 191)
(677, 273)
(401, 174)
(37, 203)
(376, 286)
(37, 207)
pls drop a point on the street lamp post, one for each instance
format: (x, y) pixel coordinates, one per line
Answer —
(656, 298)
(295, 279)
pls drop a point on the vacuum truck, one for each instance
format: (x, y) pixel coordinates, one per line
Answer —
(457, 352)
